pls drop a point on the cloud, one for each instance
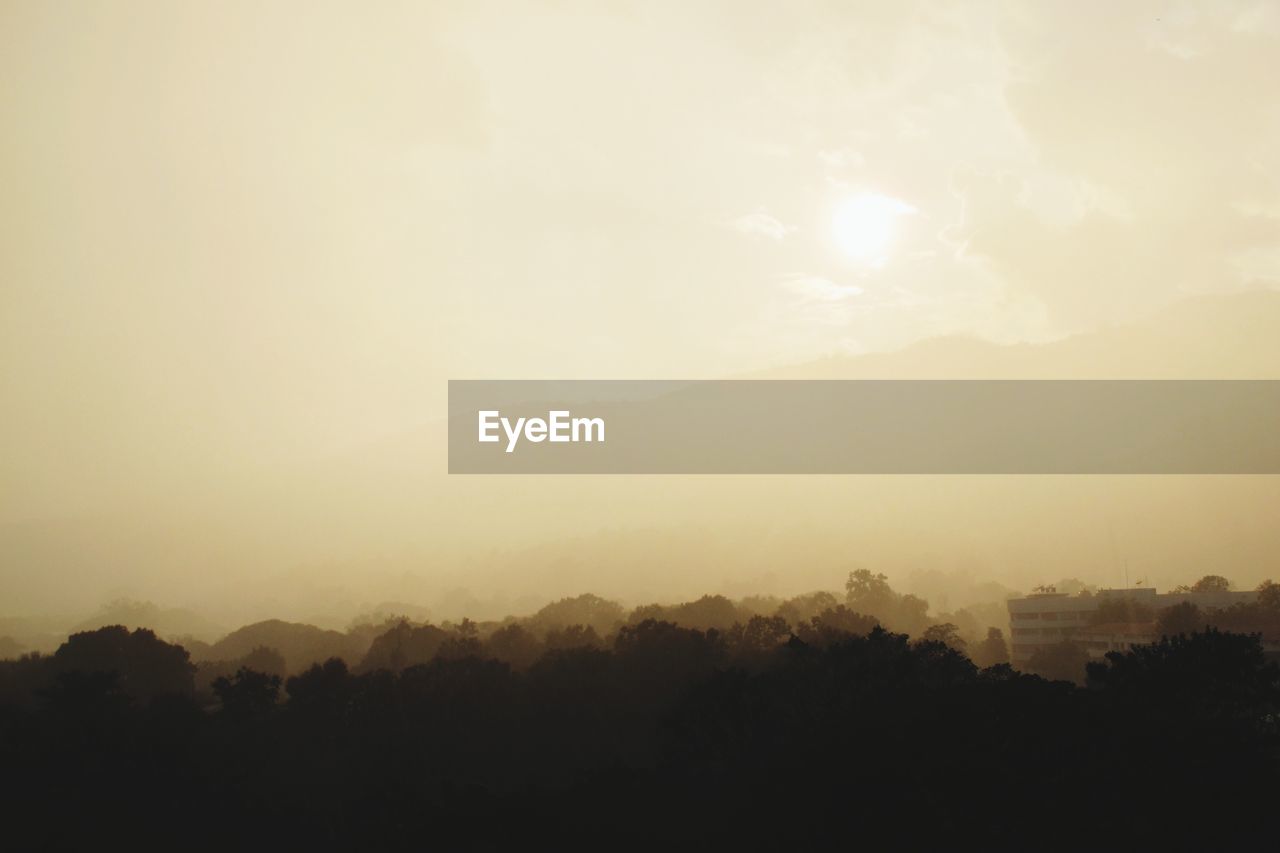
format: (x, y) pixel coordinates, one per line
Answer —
(1258, 266)
(841, 158)
(762, 224)
(812, 288)
(1151, 172)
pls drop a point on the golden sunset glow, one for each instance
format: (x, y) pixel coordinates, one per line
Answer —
(245, 247)
(865, 226)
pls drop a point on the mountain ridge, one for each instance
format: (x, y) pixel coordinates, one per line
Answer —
(1182, 341)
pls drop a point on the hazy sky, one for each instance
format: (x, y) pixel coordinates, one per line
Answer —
(236, 235)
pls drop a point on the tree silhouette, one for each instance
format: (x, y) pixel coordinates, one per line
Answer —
(573, 637)
(1208, 583)
(515, 645)
(1064, 661)
(1181, 618)
(247, 693)
(145, 666)
(947, 634)
(1210, 671)
(871, 594)
(993, 650)
(839, 734)
(1269, 596)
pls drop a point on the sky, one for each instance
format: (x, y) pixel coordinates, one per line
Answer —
(241, 236)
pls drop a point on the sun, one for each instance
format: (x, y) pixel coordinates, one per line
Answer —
(864, 226)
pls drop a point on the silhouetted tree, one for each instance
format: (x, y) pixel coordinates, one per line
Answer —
(324, 690)
(1181, 618)
(1269, 595)
(671, 731)
(248, 693)
(708, 612)
(261, 659)
(84, 693)
(867, 588)
(871, 594)
(1206, 672)
(145, 665)
(992, 651)
(1064, 661)
(845, 620)
(515, 645)
(573, 637)
(591, 610)
(756, 639)
(1208, 583)
(404, 645)
(945, 633)
(835, 624)
(458, 646)
(802, 608)
(659, 657)
(1211, 583)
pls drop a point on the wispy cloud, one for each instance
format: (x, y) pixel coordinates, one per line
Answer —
(762, 224)
(812, 288)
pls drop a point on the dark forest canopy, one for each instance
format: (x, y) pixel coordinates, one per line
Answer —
(633, 730)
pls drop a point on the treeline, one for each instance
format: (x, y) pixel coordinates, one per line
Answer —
(826, 730)
(1260, 617)
(284, 648)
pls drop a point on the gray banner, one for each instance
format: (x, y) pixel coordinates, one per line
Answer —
(864, 427)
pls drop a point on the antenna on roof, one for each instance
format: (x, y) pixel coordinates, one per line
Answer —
(1115, 553)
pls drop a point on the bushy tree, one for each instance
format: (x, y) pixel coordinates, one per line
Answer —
(574, 637)
(248, 693)
(513, 644)
(757, 638)
(1269, 595)
(600, 613)
(145, 665)
(802, 608)
(323, 690)
(993, 650)
(1181, 618)
(1208, 583)
(1209, 672)
(870, 593)
(947, 634)
(404, 645)
(1064, 661)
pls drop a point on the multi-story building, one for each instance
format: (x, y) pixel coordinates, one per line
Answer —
(1048, 617)
(1099, 640)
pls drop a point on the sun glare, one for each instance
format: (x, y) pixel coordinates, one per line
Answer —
(864, 226)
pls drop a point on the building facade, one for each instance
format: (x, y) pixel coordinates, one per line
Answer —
(1048, 617)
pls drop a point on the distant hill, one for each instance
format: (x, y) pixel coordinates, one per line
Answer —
(300, 645)
(167, 622)
(10, 648)
(1207, 337)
